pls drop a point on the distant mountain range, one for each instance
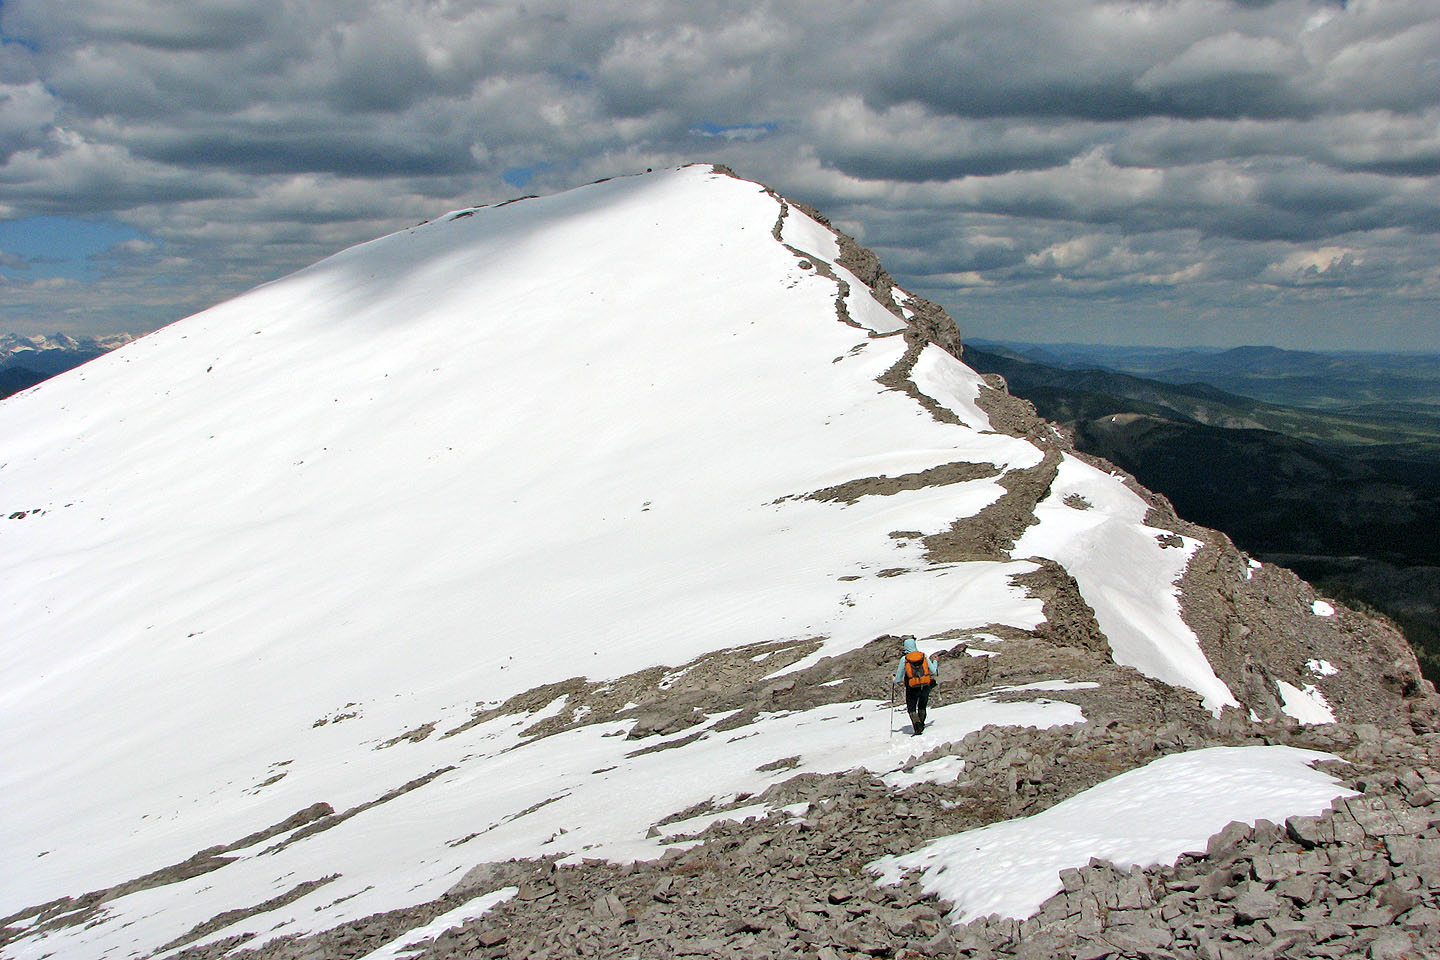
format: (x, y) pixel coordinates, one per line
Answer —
(28, 360)
(1264, 388)
(1402, 389)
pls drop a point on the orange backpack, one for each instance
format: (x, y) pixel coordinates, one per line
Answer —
(917, 670)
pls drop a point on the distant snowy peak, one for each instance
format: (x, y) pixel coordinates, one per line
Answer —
(28, 360)
(13, 345)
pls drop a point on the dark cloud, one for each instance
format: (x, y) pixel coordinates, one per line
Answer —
(1179, 158)
(295, 148)
(205, 25)
(1187, 60)
(359, 86)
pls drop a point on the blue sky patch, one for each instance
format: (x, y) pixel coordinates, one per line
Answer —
(6, 38)
(519, 177)
(60, 246)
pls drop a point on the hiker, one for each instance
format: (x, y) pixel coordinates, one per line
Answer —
(916, 673)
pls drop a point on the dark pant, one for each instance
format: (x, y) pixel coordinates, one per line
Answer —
(917, 699)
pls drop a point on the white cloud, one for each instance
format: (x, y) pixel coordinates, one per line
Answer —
(1319, 265)
(27, 110)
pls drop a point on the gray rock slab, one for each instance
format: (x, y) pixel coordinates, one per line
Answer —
(1383, 816)
(1256, 905)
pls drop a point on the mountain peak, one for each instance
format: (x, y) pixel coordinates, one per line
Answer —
(539, 538)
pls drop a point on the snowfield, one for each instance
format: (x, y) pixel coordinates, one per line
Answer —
(253, 557)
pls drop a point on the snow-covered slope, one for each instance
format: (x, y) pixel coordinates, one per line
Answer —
(288, 550)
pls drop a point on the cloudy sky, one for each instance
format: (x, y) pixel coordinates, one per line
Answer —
(1162, 172)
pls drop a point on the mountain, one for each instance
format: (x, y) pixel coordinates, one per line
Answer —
(530, 583)
(26, 361)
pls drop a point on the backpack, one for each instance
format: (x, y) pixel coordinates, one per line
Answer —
(917, 670)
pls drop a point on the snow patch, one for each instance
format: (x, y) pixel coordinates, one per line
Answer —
(1322, 609)
(863, 308)
(1050, 685)
(1307, 704)
(1145, 817)
(985, 638)
(949, 382)
(699, 824)
(1322, 668)
(941, 770)
(808, 235)
(411, 942)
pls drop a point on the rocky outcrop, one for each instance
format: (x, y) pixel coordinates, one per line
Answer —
(1069, 620)
(1258, 625)
(990, 533)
